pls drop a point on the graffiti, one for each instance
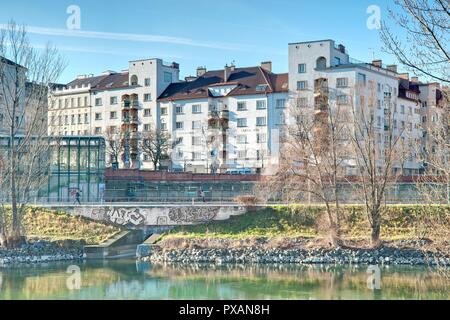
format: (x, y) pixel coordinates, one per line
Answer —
(192, 214)
(124, 216)
(161, 221)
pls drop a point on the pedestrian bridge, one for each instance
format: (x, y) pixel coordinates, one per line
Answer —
(142, 215)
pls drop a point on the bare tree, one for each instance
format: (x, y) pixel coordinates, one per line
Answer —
(426, 47)
(114, 145)
(155, 144)
(379, 150)
(315, 152)
(22, 105)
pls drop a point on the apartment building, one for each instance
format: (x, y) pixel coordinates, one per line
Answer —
(114, 102)
(225, 119)
(9, 73)
(232, 118)
(392, 98)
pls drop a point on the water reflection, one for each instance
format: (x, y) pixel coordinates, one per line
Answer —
(128, 279)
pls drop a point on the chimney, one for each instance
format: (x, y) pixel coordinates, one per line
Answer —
(414, 79)
(392, 67)
(227, 72)
(377, 63)
(267, 65)
(201, 71)
(175, 65)
(404, 76)
(341, 48)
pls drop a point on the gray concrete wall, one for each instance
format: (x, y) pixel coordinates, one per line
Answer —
(142, 216)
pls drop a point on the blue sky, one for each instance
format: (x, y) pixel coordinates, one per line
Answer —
(194, 32)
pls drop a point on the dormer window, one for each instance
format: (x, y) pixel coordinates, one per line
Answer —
(262, 87)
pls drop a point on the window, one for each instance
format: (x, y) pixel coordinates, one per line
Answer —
(86, 118)
(302, 85)
(341, 82)
(242, 154)
(113, 129)
(60, 103)
(261, 138)
(163, 126)
(72, 102)
(196, 124)
(164, 111)
(85, 101)
(98, 130)
(362, 79)
(98, 116)
(379, 104)
(134, 80)
(66, 120)
(147, 112)
(79, 101)
(179, 125)
(241, 106)
(98, 102)
(196, 156)
(72, 119)
(196, 141)
(261, 104)
(66, 103)
(402, 109)
(260, 121)
(337, 61)
(410, 111)
(147, 82)
(167, 77)
(379, 87)
(302, 102)
(147, 97)
(179, 110)
(179, 140)
(113, 115)
(281, 103)
(147, 127)
(241, 139)
(379, 121)
(79, 119)
(302, 68)
(196, 108)
(113, 100)
(342, 99)
(241, 122)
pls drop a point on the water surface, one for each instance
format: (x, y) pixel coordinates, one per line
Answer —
(126, 279)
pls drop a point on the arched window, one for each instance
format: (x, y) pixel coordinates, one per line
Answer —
(321, 63)
(134, 80)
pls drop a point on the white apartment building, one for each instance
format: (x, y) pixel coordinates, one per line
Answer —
(230, 118)
(367, 86)
(127, 100)
(225, 119)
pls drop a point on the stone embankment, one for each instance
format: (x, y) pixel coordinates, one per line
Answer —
(39, 252)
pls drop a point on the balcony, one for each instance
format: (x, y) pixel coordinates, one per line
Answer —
(135, 104)
(126, 104)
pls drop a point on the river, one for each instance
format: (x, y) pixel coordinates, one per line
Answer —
(128, 279)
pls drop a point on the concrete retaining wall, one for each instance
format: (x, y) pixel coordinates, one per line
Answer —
(143, 216)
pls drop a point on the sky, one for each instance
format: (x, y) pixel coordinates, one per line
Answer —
(193, 33)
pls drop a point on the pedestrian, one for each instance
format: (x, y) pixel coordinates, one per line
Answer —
(77, 197)
(202, 194)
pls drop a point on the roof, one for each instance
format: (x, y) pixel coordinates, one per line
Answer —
(9, 62)
(102, 82)
(246, 81)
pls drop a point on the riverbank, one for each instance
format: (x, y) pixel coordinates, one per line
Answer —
(301, 251)
(55, 236)
(411, 235)
(41, 251)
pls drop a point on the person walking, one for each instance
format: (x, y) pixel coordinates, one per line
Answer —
(202, 194)
(77, 197)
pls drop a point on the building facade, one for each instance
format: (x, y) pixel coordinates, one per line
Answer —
(231, 119)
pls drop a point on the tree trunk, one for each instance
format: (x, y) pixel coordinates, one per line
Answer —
(376, 227)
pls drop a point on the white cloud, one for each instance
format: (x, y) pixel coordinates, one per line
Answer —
(130, 37)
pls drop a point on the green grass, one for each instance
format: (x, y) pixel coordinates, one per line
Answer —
(399, 222)
(54, 225)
